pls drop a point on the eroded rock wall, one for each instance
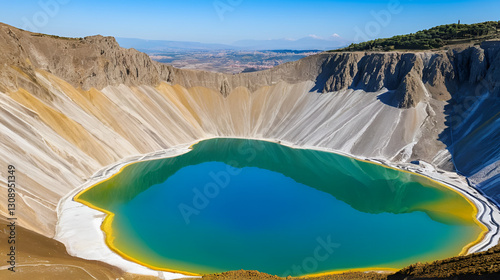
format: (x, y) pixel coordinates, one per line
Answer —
(71, 106)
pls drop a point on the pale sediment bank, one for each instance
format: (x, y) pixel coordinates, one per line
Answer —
(66, 116)
(79, 226)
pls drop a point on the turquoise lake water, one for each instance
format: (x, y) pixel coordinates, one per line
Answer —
(234, 204)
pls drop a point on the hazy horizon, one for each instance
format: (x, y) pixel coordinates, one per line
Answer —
(229, 21)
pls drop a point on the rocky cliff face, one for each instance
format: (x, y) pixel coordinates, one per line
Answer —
(72, 106)
(97, 62)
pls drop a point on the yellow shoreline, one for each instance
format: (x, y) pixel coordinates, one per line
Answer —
(368, 269)
(108, 231)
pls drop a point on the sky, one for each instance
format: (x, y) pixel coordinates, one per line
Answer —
(227, 21)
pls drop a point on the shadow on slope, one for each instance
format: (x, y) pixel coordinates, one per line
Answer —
(472, 117)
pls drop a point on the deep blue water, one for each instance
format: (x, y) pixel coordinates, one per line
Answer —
(233, 204)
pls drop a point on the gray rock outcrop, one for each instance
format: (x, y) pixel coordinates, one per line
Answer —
(98, 61)
(72, 106)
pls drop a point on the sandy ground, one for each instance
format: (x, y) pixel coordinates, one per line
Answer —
(79, 229)
(39, 257)
(59, 133)
(78, 226)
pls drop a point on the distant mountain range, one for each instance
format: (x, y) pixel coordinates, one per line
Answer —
(160, 45)
(311, 42)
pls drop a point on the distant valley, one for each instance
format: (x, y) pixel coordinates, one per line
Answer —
(241, 56)
(228, 61)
